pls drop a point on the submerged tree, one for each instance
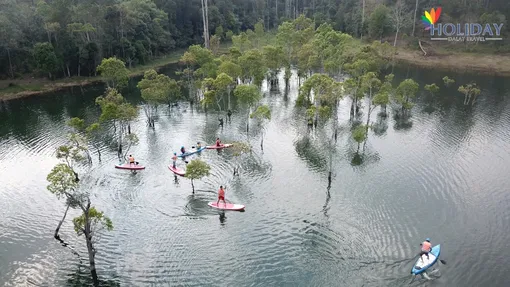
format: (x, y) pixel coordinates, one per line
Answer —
(370, 84)
(89, 224)
(262, 114)
(359, 135)
(239, 149)
(405, 92)
(447, 81)
(216, 89)
(273, 58)
(196, 169)
(157, 89)
(114, 71)
(253, 67)
(382, 98)
(469, 91)
(319, 93)
(64, 183)
(433, 89)
(248, 95)
(114, 108)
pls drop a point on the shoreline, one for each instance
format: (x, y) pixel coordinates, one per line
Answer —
(38, 86)
(494, 65)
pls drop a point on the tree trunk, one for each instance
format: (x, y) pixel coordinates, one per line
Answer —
(204, 22)
(98, 152)
(207, 22)
(60, 223)
(92, 253)
(421, 47)
(10, 63)
(248, 122)
(396, 35)
(414, 21)
(362, 19)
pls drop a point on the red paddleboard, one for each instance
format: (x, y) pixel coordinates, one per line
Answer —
(130, 166)
(228, 206)
(218, 146)
(177, 170)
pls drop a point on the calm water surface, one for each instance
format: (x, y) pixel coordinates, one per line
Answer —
(443, 175)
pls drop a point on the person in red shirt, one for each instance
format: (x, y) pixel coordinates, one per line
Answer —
(218, 142)
(221, 196)
(426, 247)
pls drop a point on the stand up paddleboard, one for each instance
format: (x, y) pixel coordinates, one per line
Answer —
(130, 166)
(421, 266)
(188, 153)
(218, 146)
(228, 206)
(177, 170)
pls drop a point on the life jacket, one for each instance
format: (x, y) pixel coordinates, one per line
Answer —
(426, 246)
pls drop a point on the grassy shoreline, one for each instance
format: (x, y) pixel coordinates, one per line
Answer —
(495, 65)
(498, 65)
(37, 86)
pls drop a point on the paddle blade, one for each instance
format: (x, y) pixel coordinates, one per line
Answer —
(442, 261)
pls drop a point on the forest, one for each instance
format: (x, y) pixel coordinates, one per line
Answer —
(66, 38)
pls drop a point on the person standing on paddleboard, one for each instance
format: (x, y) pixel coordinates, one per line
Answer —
(221, 196)
(131, 160)
(174, 159)
(426, 247)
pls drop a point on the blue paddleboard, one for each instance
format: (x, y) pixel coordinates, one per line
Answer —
(188, 153)
(422, 264)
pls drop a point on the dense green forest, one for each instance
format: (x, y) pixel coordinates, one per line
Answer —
(64, 38)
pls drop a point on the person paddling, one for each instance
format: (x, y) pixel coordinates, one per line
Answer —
(221, 196)
(426, 247)
(131, 160)
(218, 142)
(174, 159)
(199, 146)
(183, 151)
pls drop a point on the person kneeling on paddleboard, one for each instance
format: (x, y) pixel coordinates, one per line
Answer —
(199, 146)
(221, 196)
(131, 160)
(183, 150)
(174, 159)
(218, 142)
(426, 247)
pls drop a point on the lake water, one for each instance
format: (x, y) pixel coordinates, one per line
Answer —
(443, 175)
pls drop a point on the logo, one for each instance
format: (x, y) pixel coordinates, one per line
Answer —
(460, 32)
(429, 19)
